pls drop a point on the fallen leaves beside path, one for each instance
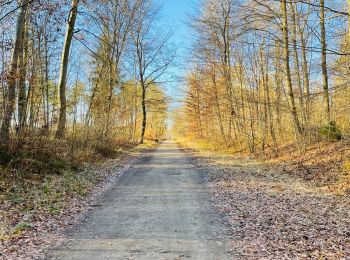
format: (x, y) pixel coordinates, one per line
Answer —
(272, 215)
(27, 232)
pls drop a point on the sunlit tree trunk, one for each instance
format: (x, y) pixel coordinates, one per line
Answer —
(305, 69)
(12, 78)
(64, 69)
(268, 110)
(296, 63)
(287, 67)
(46, 80)
(324, 63)
(278, 87)
(144, 114)
(22, 95)
(217, 102)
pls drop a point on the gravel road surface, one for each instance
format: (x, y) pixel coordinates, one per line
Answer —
(157, 210)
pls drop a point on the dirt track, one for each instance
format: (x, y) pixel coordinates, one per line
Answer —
(157, 210)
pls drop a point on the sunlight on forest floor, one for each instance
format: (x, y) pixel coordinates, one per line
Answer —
(322, 169)
(276, 214)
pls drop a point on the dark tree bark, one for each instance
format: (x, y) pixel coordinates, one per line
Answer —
(326, 98)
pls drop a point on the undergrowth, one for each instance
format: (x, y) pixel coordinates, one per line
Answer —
(40, 176)
(324, 165)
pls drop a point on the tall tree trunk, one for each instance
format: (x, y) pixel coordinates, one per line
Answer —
(22, 93)
(144, 114)
(278, 82)
(47, 95)
(64, 68)
(263, 80)
(305, 68)
(296, 63)
(226, 62)
(6, 123)
(326, 99)
(217, 103)
(287, 66)
(267, 100)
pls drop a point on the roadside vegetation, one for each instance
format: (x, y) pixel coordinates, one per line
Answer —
(80, 93)
(270, 80)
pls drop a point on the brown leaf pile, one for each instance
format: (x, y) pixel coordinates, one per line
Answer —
(274, 216)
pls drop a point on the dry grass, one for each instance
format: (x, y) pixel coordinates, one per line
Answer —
(324, 164)
(322, 167)
(275, 213)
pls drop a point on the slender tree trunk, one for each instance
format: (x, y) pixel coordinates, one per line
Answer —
(135, 108)
(22, 95)
(324, 63)
(198, 111)
(264, 120)
(296, 63)
(226, 62)
(287, 67)
(64, 69)
(110, 97)
(305, 68)
(144, 114)
(217, 103)
(2, 80)
(267, 102)
(269, 109)
(47, 98)
(278, 82)
(6, 123)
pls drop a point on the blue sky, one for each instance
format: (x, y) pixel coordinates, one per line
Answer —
(176, 13)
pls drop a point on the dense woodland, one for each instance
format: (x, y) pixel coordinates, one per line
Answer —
(86, 70)
(268, 73)
(262, 73)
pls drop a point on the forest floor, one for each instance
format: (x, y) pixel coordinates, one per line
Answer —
(157, 206)
(292, 206)
(42, 193)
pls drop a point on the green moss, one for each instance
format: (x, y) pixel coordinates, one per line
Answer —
(21, 227)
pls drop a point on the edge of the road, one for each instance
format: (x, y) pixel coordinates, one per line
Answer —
(90, 201)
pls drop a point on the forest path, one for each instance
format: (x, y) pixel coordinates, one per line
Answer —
(157, 210)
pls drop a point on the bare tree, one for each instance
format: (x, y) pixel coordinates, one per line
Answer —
(324, 63)
(64, 68)
(152, 53)
(12, 77)
(286, 54)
